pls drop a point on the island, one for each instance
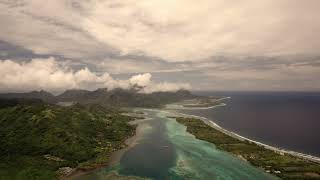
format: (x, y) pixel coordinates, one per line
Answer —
(198, 102)
(45, 141)
(283, 165)
(46, 136)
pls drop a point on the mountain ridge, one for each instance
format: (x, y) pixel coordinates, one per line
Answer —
(115, 97)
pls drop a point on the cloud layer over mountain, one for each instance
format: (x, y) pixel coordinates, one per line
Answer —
(51, 75)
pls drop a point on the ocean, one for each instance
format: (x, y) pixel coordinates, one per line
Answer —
(163, 149)
(289, 120)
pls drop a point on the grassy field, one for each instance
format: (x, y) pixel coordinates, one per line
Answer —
(282, 165)
(37, 139)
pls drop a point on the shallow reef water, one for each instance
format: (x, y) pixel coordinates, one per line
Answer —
(165, 150)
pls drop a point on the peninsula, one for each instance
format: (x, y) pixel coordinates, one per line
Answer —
(285, 166)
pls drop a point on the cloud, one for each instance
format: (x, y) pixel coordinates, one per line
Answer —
(37, 26)
(165, 86)
(173, 30)
(225, 45)
(144, 80)
(141, 79)
(141, 65)
(51, 75)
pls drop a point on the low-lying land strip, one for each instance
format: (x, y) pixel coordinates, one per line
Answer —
(198, 103)
(282, 165)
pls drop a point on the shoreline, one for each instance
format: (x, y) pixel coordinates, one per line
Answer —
(131, 141)
(278, 150)
(114, 157)
(176, 106)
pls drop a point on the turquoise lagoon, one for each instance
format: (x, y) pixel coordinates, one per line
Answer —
(164, 150)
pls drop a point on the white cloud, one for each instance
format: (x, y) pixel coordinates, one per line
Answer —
(49, 74)
(141, 79)
(144, 80)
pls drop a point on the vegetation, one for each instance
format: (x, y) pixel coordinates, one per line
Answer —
(38, 138)
(108, 98)
(201, 102)
(282, 165)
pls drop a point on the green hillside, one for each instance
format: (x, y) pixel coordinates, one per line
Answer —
(37, 138)
(108, 98)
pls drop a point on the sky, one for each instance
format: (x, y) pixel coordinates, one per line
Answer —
(162, 45)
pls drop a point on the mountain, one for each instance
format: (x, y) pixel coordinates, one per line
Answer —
(116, 97)
(71, 95)
(39, 138)
(5, 102)
(128, 97)
(43, 95)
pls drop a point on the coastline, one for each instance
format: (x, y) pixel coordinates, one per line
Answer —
(114, 157)
(242, 138)
(214, 125)
(181, 106)
(131, 141)
(282, 165)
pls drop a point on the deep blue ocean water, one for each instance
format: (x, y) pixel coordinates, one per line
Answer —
(289, 120)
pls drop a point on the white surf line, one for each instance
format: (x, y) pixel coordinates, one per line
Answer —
(181, 106)
(242, 138)
(223, 98)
